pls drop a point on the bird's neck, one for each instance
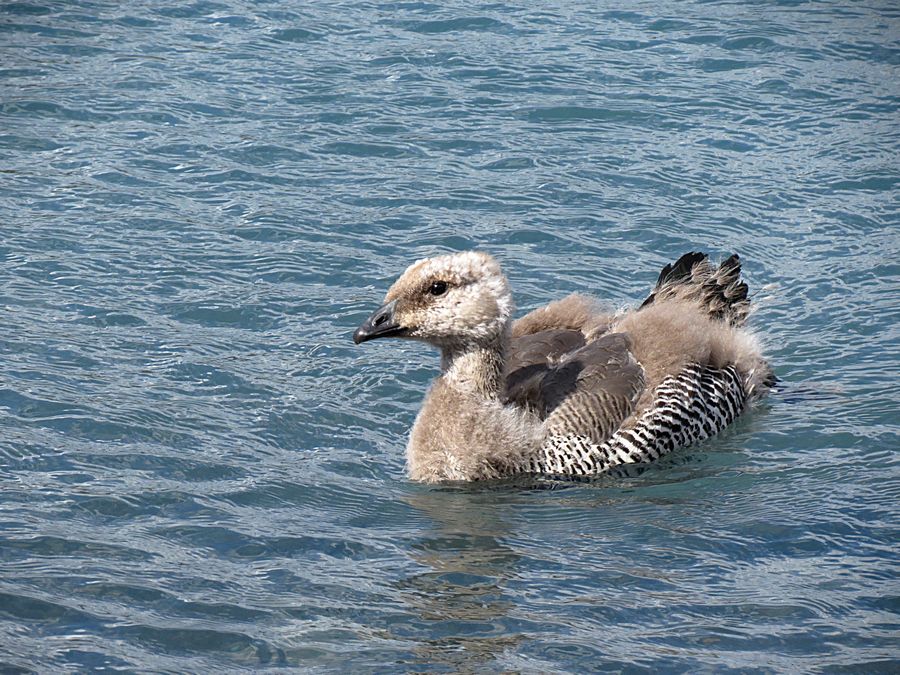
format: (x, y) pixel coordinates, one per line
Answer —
(476, 368)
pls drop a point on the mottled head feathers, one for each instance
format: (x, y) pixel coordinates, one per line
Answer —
(461, 298)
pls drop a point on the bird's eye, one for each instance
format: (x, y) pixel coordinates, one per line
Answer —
(438, 287)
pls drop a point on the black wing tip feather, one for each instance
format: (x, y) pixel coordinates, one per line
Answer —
(734, 260)
(681, 270)
(673, 274)
(730, 267)
(728, 283)
(721, 285)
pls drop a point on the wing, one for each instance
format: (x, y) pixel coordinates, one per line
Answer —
(718, 291)
(576, 388)
(531, 359)
(608, 381)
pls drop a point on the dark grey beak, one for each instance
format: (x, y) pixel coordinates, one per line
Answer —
(380, 324)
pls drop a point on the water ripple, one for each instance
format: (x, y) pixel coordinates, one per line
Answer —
(201, 201)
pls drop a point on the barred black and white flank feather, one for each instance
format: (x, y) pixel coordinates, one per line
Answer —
(570, 389)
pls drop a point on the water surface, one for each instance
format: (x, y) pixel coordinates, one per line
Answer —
(200, 201)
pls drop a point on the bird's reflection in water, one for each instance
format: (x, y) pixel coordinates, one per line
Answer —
(460, 602)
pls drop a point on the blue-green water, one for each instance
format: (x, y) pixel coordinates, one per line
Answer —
(200, 201)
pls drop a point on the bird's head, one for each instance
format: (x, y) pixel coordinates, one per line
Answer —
(448, 301)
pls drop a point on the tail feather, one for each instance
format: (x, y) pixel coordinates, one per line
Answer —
(719, 290)
(678, 273)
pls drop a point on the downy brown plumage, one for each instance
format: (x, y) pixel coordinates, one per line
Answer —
(569, 389)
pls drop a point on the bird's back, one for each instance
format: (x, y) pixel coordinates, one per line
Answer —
(671, 373)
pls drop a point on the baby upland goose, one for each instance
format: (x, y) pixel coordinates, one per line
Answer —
(568, 389)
